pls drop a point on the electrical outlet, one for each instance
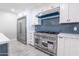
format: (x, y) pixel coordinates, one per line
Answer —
(75, 28)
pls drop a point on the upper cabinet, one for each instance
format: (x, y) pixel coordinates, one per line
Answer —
(63, 13)
(74, 12)
(34, 19)
(69, 13)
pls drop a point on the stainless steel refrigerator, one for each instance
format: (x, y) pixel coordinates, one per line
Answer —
(21, 30)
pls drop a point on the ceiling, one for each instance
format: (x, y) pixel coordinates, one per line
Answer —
(21, 6)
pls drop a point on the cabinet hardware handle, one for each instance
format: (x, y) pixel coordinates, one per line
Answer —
(68, 19)
(60, 37)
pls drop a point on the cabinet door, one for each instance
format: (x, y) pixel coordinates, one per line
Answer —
(64, 13)
(71, 47)
(35, 20)
(63, 47)
(74, 12)
(74, 48)
(60, 46)
(67, 46)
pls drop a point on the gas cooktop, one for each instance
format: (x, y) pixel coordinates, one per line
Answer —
(48, 32)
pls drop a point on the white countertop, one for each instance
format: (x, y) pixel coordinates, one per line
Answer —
(67, 35)
(3, 39)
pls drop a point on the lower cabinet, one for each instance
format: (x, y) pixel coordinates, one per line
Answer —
(4, 49)
(68, 47)
(60, 46)
(74, 47)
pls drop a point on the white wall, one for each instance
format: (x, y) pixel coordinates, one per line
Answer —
(8, 24)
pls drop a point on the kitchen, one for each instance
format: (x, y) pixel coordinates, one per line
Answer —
(40, 29)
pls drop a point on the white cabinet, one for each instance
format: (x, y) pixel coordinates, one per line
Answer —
(74, 47)
(69, 13)
(63, 48)
(68, 45)
(64, 13)
(34, 19)
(71, 47)
(74, 12)
(60, 46)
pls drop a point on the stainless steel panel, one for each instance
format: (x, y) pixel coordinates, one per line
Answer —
(47, 42)
(21, 30)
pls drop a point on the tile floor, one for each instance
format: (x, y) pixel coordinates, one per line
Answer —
(18, 49)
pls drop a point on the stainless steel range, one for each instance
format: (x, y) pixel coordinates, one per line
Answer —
(46, 42)
(46, 33)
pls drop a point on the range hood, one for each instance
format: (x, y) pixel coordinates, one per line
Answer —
(49, 13)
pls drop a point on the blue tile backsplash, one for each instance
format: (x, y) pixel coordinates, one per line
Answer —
(52, 25)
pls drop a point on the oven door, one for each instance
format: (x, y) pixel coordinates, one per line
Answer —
(52, 46)
(37, 41)
(44, 45)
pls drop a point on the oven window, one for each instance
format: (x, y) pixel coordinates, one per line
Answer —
(44, 44)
